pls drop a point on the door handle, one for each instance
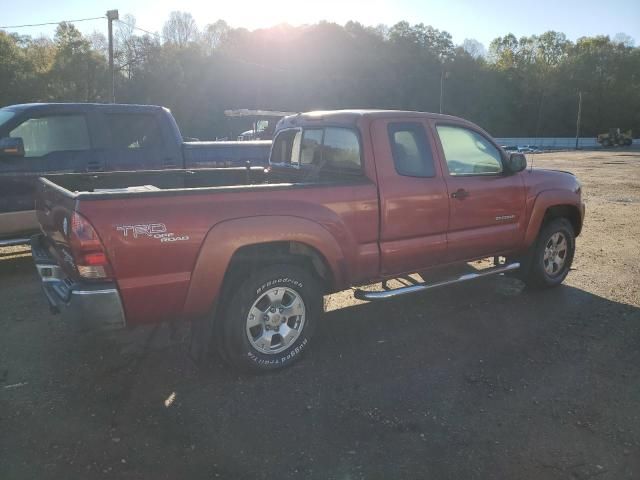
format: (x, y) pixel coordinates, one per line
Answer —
(95, 166)
(169, 163)
(460, 194)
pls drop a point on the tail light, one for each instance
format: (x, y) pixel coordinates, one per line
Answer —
(88, 251)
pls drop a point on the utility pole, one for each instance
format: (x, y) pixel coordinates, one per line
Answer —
(443, 76)
(111, 16)
(441, 88)
(578, 120)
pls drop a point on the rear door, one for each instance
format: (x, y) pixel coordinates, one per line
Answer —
(486, 203)
(413, 196)
(136, 142)
(53, 143)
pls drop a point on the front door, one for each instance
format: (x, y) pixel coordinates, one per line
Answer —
(486, 203)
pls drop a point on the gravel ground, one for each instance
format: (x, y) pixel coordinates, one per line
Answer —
(480, 380)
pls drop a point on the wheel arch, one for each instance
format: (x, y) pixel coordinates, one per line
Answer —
(260, 241)
(550, 205)
(249, 258)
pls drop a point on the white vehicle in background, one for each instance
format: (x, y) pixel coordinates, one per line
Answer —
(528, 149)
(509, 148)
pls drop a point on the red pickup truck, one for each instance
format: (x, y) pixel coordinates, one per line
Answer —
(350, 198)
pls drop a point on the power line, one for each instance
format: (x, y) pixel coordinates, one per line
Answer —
(52, 23)
(141, 29)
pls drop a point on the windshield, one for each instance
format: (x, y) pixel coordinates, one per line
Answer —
(5, 116)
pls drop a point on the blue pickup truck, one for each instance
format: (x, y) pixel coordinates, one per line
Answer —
(37, 139)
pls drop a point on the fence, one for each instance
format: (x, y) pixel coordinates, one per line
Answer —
(553, 142)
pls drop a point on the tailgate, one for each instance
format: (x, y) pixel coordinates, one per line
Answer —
(54, 207)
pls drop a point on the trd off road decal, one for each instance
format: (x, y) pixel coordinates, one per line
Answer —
(157, 231)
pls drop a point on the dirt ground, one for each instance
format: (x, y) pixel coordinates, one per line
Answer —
(481, 380)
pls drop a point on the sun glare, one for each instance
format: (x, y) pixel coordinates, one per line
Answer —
(260, 14)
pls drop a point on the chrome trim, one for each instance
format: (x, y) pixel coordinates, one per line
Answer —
(49, 272)
(13, 241)
(107, 291)
(88, 306)
(366, 295)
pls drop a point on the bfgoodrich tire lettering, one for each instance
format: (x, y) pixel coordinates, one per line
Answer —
(271, 318)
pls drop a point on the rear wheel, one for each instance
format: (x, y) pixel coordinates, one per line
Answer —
(550, 258)
(271, 318)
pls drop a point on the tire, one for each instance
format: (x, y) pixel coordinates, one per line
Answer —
(548, 263)
(256, 317)
(606, 143)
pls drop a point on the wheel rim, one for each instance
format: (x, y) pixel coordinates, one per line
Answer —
(555, 254)
(275, 320)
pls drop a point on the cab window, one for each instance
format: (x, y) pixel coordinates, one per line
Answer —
(311, 150)
(467, 152)
(55, 133)
(411, 152)
(341, 150)
(286, 147)
(134, 131)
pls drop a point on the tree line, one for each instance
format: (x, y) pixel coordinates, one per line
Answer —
(524, 86)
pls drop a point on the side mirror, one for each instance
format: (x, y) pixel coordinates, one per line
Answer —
(11, 147)
(516, 162)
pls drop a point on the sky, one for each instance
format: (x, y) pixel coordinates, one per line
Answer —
(482, 20)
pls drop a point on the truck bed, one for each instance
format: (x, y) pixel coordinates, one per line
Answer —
(110, 184)
(156, 182)
(156, 226)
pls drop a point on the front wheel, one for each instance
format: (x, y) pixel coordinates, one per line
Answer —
(551, 256)
(271, 318)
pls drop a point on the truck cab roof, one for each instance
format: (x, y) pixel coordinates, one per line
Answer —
(82, 107)
(351, 117)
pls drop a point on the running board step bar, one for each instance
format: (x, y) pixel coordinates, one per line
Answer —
(367, 295)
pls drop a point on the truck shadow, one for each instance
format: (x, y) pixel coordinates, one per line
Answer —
(445, 384)
(14, 265)
(435, 373)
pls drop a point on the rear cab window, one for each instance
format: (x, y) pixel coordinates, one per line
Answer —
(311, 149)
(286, 147)
(328, 149)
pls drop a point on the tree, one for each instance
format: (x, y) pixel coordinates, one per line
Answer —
(503, 51)
(474, 48)
(78, 72)
(624, 39)
(180, 29)
(523, 87)
(214, 35)
(14, 68)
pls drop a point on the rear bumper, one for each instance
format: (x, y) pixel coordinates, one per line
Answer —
(90, 306)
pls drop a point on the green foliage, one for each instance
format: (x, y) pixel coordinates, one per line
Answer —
(78, 73)
(524, 86)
